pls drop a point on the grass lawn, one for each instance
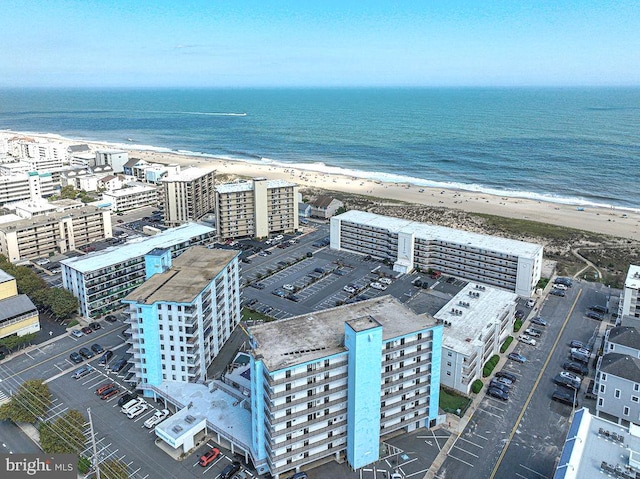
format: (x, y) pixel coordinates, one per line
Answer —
(451, 402)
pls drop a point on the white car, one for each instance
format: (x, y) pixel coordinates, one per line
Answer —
(288, 287)
(157, 418)
(570, 376)
(560, 286)
(42, 261)
(349, 289)
(278, 238)
(531, 303)
(137, 410)
(76, 333)
(385, 281)
(376, 285)
(527, 340)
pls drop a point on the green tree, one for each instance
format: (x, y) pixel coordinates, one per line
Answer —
(114, 469)
(62, 303)
(68, 193)
(64, 435)
(30, 402)
(14, 341)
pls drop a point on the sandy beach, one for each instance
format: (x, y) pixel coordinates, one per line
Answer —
(622, 223)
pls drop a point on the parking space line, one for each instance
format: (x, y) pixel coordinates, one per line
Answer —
(482, 437)
(467, 452)
(473, 443)
(531, 470)
(458, 459)
(489, 413)
(421, 473)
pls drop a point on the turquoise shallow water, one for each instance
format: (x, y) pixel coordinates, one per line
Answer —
(569, 145)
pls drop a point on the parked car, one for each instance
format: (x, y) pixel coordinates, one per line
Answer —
(560, 286)
(87, 330)
(209, 456)
(575, 355)
(76, 333)
(574, 343)
(571, 376)
(557, 292)
(83, 371)
(598, 309)
(258, 285)
(539, 321)
(300, 475)
(109, 393)
(110, 318)
(578, 368)
(534, 333)
(157, 418)
(42, 261)
(288, 287)
(527, 340)
(125, 398)
(594, 315)
(76, 358)
(503, 387)
(96, 348)
(531, 303)
(519, 358)
(386, 281)
(86, 353)
(137, 410)
(378, 286)
(504, 374)
(349, 289)
(230, 470)
(498, 394)
(565, 397)
(130, 404)
(502, 380)
(566, 382)
(103, 388)
(564, 281)
(519, 314)
(584, 351)
(119, 365)
(95, 326)
(278, 292)
(104, 359)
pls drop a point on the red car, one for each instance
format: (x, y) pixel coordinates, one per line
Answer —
(209, 457)
(109, 393)
(87, 330)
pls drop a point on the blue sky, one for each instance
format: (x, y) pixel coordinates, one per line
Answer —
(210, 43)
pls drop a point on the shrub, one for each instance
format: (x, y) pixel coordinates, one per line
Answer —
(506, 344)
(73, 322)
(517, 325)
(490, 365)
(476, 387)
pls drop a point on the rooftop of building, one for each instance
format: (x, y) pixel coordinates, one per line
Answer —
(633, 277)
(53, 217)
(247, 185)
(136, 248)
(443, 233)
(78, 148)
(111, 151)
(469, 313)
(16, 306)
(131, 190)
(319, 334)
(189, 275)
(189, 174)
(322, 201)
(4, 276)
(593, 442)
(626, 336)
(622, 366)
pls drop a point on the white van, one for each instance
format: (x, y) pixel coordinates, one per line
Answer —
(131, 404)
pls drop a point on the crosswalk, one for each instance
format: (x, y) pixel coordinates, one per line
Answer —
(3, 397)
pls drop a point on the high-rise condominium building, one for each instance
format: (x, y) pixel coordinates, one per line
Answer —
(257, 208)
(188, 195)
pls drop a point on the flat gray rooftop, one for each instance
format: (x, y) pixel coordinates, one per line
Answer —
(442, 233)
(482, 310)
(16, 306)
(633, 277)
(312, 336)
(51, 218)
(190, 273)
(4, 276)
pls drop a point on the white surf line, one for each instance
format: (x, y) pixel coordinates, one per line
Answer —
(531, 470)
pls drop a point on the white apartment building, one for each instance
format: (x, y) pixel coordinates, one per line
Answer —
(57, 232)
(188, 195)
(476, 322)
(256, 208)
(131, 198)
(504, 263)
(42, 156)
(101, 279)
(115, 158)
(26, 186)
(330, 384)
(630, 303)
(182, 315)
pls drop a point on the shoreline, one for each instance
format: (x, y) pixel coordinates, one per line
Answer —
(616, 221)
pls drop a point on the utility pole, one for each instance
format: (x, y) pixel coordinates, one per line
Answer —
(93, 444)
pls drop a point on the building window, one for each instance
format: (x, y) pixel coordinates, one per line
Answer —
(603, 377)
(636, 387)
(600, 402)
(602, 388)
(635, 399)
(625, 411)
(617, 394)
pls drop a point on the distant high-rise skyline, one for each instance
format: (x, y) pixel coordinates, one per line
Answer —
(119, 43)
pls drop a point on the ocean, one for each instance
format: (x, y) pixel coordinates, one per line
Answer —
(576, 146)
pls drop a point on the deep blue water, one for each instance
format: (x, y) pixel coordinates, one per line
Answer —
(575, 145)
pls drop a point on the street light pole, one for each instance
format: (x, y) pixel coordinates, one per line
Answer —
(93, 444)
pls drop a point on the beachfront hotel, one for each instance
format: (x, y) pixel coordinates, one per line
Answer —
(25, 186)
(187, 195)
(53, 233)
(409, 245)
(131, 198)
(343, 379)
(100, 280)
(256, 208)
(476, 322)
(630, 303)
(181, 315)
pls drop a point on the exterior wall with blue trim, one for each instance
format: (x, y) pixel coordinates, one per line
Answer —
(151, 336)
(363, 401)
(257, 411)
(158, 262)
(436, 362)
